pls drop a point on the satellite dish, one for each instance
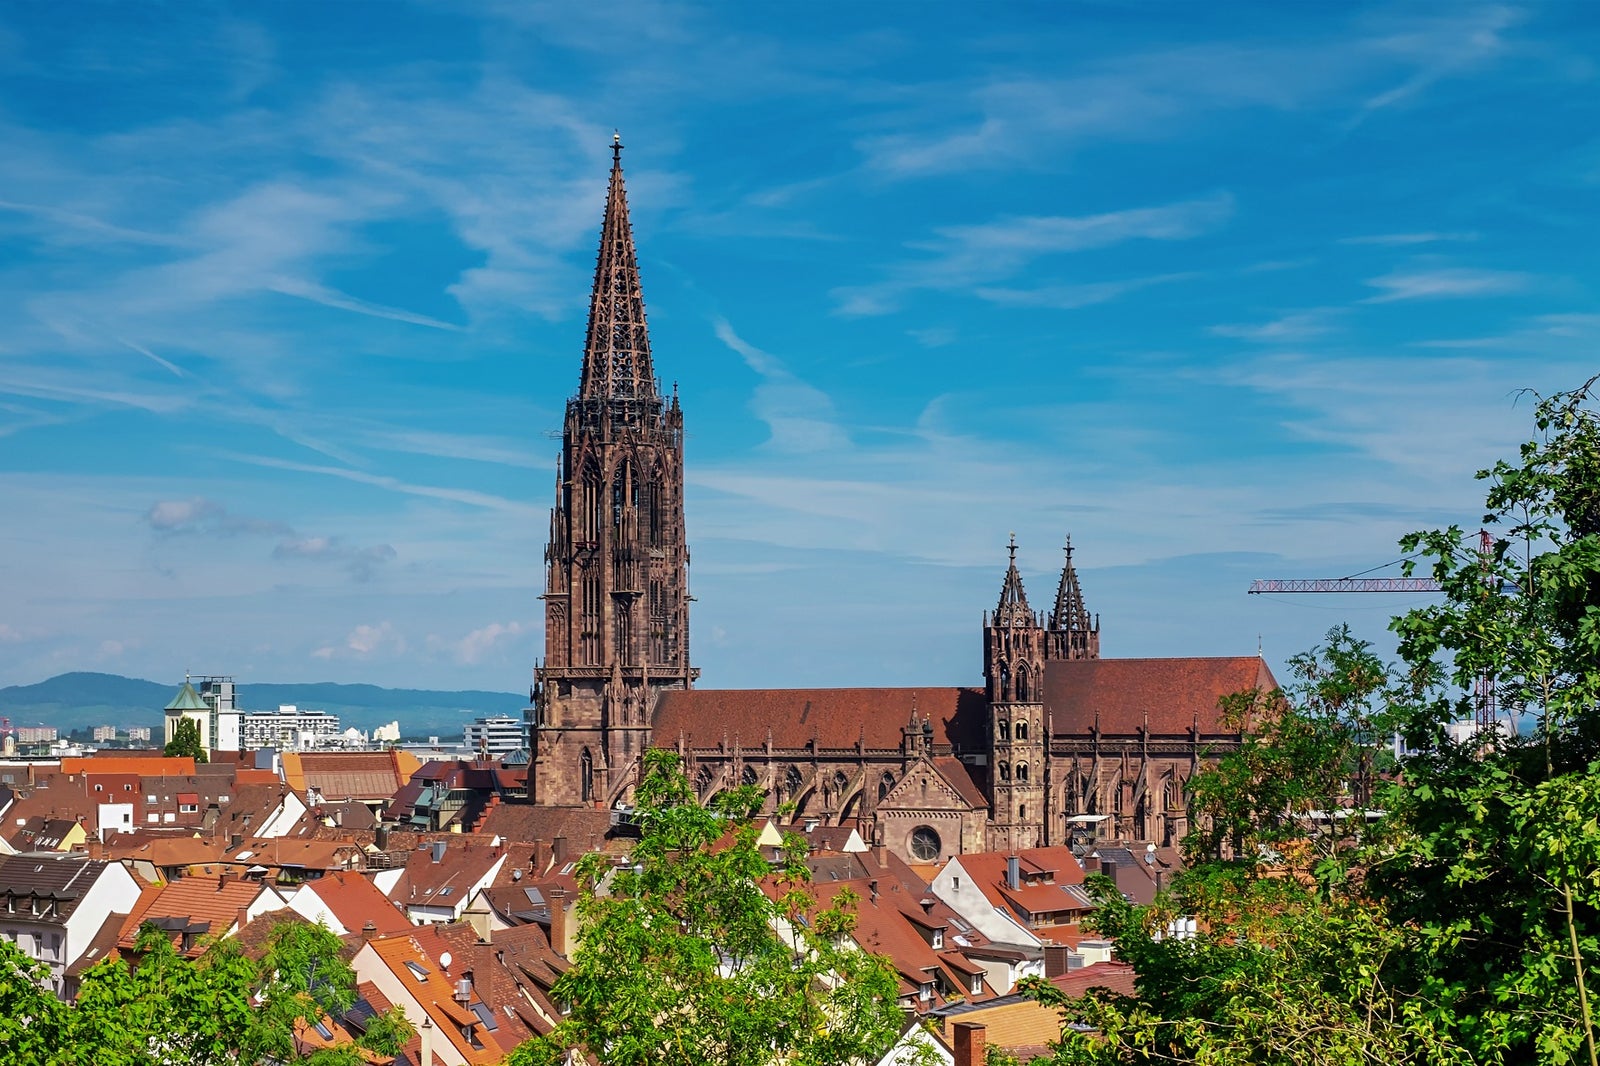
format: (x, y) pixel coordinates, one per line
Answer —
(444, 960)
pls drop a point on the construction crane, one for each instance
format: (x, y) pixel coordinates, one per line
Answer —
(1485, 708)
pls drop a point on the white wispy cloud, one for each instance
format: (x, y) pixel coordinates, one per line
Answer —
(1294, 326)
(1069, 297)
(1403, 239)
(1446, 283)
(482, 642)
(799, 417)
(365, 641)
(198, 515)
(469, 497)
(976, 256)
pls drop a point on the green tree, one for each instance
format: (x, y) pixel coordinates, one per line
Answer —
(1468, 927)
(186, 741)
(683, 958)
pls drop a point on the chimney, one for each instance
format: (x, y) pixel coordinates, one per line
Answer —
(222, 881)
(1091, 864)
(970, 1040)
(927, 905)
(558, 850)
(369, 931)
(427, 1042)
(872, 885)
(438, 847)
(1013, 873)
(558, 921)
(244, 917)
(1057, 960)
(880, 852)
(463, 993)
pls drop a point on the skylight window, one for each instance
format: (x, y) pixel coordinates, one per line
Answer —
(418, 972)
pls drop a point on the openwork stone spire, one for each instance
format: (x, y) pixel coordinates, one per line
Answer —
(1074, 632)
(1013, 609)
(1069, 612)
(616, 356)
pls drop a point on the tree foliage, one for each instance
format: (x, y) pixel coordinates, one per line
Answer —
(683, 958)
(163, 1009)
(1464, 926)
(185, 741)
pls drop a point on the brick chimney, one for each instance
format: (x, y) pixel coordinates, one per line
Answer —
(369, 931)
(1057, 960)
(880, 852)
(558, 921)
(970, 1041)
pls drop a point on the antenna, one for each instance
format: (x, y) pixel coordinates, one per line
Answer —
(444, 961)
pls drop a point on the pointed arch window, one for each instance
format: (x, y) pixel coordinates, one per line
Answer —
(749, 776)
(1004, 692)
(885, 783)
(586, 775)
(1024, 688)
(702, 781)
(840, 783)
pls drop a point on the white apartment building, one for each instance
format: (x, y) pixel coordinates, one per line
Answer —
(498, 734)
(289, 729)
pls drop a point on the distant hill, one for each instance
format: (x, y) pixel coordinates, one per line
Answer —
(81, 700)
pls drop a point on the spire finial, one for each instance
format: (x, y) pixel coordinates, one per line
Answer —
(1011, 546)
(1069, 547)
(616, 148)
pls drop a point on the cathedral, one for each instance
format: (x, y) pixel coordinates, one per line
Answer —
(1057, 746)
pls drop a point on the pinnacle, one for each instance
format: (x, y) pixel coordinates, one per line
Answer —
(1069, 611)
(1013, 608)
(616, 354)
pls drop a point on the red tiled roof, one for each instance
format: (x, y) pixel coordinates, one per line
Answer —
(354, 900)
(1123, 695)
(960, 777)
(834, 717)
(210, 900)
(144, 766)
(1115, 976)
(988, 872)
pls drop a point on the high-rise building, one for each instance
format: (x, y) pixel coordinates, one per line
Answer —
(103, 733)
(498, 734)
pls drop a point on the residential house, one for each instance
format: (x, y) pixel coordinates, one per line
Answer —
(52, 907)
(442, 877)
(197, 910)
(1023, 897)
(348, 903)
(1022, 1026)
(467, 1005)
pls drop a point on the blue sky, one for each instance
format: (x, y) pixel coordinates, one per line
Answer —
(292, 295)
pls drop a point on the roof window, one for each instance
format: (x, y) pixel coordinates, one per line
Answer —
(419, 972)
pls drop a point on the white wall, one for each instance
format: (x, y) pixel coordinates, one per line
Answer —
(956, 888)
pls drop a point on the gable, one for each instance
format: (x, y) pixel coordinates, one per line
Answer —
(926, 787)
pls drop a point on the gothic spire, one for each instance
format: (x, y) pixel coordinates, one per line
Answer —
(1013, 609)
(616, 356)
(1069, 613)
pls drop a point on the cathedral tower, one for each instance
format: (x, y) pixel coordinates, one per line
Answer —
(1013, 668)
(1073, 634)
(617, 565)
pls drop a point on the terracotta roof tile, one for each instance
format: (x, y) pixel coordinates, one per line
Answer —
(355, 900)
(1121, 695)
(834, 717)
(209, 901)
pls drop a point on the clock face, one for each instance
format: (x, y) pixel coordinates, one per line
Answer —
(925, 846)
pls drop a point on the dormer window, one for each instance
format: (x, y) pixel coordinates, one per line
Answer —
(938, 939)
(977, 983)
(925, 992)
